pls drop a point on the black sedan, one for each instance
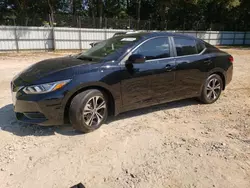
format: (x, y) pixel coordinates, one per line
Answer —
(119, 74)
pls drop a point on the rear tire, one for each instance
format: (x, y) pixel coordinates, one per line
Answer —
(88, 110)
(212, 89)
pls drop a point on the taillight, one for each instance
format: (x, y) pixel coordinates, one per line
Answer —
(231, 59)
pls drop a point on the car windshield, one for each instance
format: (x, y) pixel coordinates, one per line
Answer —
(108, 47)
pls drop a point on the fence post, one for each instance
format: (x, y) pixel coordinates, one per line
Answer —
(53, 32)
(105, 33)
(221, 38)
(209, 36)
(53, 38)
(234, 38)
(80, 34)
(16, 39)
(80, 38)
(106, 23)
(105, 29)
(244, 39)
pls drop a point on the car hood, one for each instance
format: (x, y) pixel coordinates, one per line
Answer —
(49, 66)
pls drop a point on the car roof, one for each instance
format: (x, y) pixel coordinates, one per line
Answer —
(120, 33)
(158, 34)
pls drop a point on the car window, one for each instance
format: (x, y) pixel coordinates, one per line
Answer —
(114, 45)
(185, 46)
(154, 49)
(200, 46)
(211, 48)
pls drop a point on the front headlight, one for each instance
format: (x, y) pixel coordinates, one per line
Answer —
(45, 88)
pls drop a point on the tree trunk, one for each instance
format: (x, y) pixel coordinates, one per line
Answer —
(74, 11)
(138, 13)
(92, 11)
(164, 6)
(22, 12)
(100, 12)
(128, 4)
(51, 13)
(73, 4)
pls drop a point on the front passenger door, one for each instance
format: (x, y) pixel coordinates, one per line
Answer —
(159, 60)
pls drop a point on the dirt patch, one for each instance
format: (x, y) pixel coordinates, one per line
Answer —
(179, 144)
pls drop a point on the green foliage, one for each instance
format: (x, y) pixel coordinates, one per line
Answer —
(162, 14)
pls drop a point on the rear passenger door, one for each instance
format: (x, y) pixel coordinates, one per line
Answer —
(192, 65)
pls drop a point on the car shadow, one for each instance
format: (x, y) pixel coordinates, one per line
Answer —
(9, 123)
(146, 110)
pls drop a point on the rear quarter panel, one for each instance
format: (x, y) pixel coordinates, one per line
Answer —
(222, 65)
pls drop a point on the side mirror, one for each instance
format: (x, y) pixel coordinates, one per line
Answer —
(136, 58)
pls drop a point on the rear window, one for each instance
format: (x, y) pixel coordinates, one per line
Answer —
(200, 46)
(211, 48)
(185, 46)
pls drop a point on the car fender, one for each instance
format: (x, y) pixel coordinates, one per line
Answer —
(212, 71)
(113, 90)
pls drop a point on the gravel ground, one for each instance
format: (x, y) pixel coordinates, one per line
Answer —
(179, 144)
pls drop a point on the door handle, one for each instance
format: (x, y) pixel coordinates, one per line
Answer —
(208, 61)
(169, 67)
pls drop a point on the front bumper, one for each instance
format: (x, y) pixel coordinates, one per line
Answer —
(42, 109)
(39, 113)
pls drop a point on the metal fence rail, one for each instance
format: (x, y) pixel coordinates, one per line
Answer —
(62, 38)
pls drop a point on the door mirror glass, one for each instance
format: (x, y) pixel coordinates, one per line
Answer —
(135, 59)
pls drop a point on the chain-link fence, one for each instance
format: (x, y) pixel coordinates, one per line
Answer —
(67, 20)
(99, 23)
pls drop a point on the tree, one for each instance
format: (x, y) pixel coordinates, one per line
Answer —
(51, 12)
(161, 14)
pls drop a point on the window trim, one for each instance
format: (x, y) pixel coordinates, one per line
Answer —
(174, 47)
(172, 55)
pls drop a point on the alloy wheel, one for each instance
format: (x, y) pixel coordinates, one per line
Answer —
(94, 110)
(213, 89)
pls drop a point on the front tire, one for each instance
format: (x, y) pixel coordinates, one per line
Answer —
(212, 89)
(88, 110)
